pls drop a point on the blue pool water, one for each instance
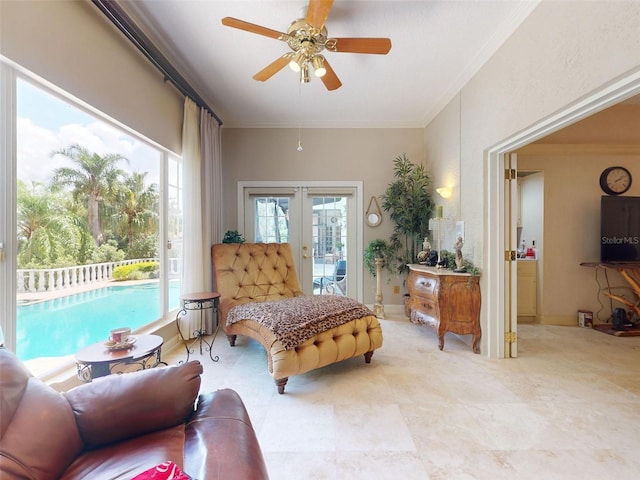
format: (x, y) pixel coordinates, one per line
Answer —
(65, 325)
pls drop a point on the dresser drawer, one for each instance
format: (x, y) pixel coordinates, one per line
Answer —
(420, 285)
(428, 307)
(425, 316)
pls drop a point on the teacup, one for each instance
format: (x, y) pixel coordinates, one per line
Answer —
(120, 335)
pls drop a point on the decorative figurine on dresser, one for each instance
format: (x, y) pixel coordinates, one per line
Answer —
(445, 300)
(457, 247)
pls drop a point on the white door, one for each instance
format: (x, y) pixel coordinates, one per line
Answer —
(511, 267)
(321, 224)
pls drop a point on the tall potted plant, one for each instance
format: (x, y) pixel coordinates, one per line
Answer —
(409, 204)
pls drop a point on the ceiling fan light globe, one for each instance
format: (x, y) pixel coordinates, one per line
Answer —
(319, 69)
(293, 65)
(297, 61)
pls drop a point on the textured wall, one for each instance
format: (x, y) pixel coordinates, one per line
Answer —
(561, 52)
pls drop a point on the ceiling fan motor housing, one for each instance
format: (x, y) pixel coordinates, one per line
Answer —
(302, 36)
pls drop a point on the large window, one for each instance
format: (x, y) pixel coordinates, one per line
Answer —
(98, 216)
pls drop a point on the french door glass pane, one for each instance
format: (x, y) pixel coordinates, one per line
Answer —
(88, 212)
(271, 219)
(329, 238)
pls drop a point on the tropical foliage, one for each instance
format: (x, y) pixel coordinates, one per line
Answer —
(233, 236)
(94, 182)
(377, 249)
(93, 212)
(136, 271)
(409, 204)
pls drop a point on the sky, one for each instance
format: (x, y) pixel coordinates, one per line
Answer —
(47, 124)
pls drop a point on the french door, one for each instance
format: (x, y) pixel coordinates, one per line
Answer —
(319, 220)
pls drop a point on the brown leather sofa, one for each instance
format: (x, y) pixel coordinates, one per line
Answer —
(121, 425)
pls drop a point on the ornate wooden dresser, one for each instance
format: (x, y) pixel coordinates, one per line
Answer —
(445, 300)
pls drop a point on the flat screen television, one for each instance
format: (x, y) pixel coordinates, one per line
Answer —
(619, 229)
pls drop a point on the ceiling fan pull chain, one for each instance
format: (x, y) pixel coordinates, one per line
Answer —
(300, 121)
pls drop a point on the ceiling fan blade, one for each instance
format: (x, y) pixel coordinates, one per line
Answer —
(317, 12)
(270, 70)
(379, 46)
(330, 79)
(253, 28)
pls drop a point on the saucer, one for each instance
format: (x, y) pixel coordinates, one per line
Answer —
(111, 345)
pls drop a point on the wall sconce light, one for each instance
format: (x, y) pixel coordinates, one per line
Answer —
(445, 192)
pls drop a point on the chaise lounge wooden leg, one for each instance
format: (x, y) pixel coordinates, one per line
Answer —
(232, 340)
(280, 383)
(367, 356)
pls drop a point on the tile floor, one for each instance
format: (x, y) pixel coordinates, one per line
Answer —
(567, 408)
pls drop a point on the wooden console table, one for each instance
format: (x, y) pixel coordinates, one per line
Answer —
(630, 271)
(445, 300)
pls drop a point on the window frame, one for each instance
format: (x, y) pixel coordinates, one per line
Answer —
(10, 74)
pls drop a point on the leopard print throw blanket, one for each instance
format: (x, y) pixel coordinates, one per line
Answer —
(295, 320)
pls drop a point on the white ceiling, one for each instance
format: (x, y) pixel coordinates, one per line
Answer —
(437, 46)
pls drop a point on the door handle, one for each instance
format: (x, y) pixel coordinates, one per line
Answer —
(305, 251)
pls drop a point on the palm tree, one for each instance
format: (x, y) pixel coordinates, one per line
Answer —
(137, 207)
(94, 180)
(46, 233)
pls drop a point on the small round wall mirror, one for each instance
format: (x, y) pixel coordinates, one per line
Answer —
(373, 219)
(373, 215)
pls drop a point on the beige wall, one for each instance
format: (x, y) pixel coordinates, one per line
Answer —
(329, 154)
(73, 45)
(617, 125)
(561, 52)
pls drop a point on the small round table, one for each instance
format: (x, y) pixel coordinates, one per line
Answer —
(199, 301)
(98, 360)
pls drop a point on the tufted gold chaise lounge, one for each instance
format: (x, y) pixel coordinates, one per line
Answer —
(259, 272)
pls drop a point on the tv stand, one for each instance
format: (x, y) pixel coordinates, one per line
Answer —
(630, 271)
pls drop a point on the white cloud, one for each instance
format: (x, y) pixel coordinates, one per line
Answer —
(35, 145)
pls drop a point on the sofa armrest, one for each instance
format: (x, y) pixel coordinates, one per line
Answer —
(118, 407)
(220, 440)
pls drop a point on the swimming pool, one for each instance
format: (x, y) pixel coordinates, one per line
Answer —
(63, 325)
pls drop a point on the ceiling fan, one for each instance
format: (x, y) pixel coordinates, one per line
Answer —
(307, 37)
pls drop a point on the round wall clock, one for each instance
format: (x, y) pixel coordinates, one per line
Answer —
(615, 180)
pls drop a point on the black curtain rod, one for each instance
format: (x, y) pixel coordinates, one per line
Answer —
(128, 27)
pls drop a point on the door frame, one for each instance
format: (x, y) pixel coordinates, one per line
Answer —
(357, 255)
(496, 286)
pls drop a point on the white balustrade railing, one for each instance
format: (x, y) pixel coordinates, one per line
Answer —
(52, 279)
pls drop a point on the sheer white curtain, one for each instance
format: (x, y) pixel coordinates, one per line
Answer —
(193, 279)
(211, 186)
(202, 197)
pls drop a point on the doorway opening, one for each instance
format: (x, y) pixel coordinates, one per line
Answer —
(501, 328)
(530, 238)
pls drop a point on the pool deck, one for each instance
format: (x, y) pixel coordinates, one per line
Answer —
(33, 297)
